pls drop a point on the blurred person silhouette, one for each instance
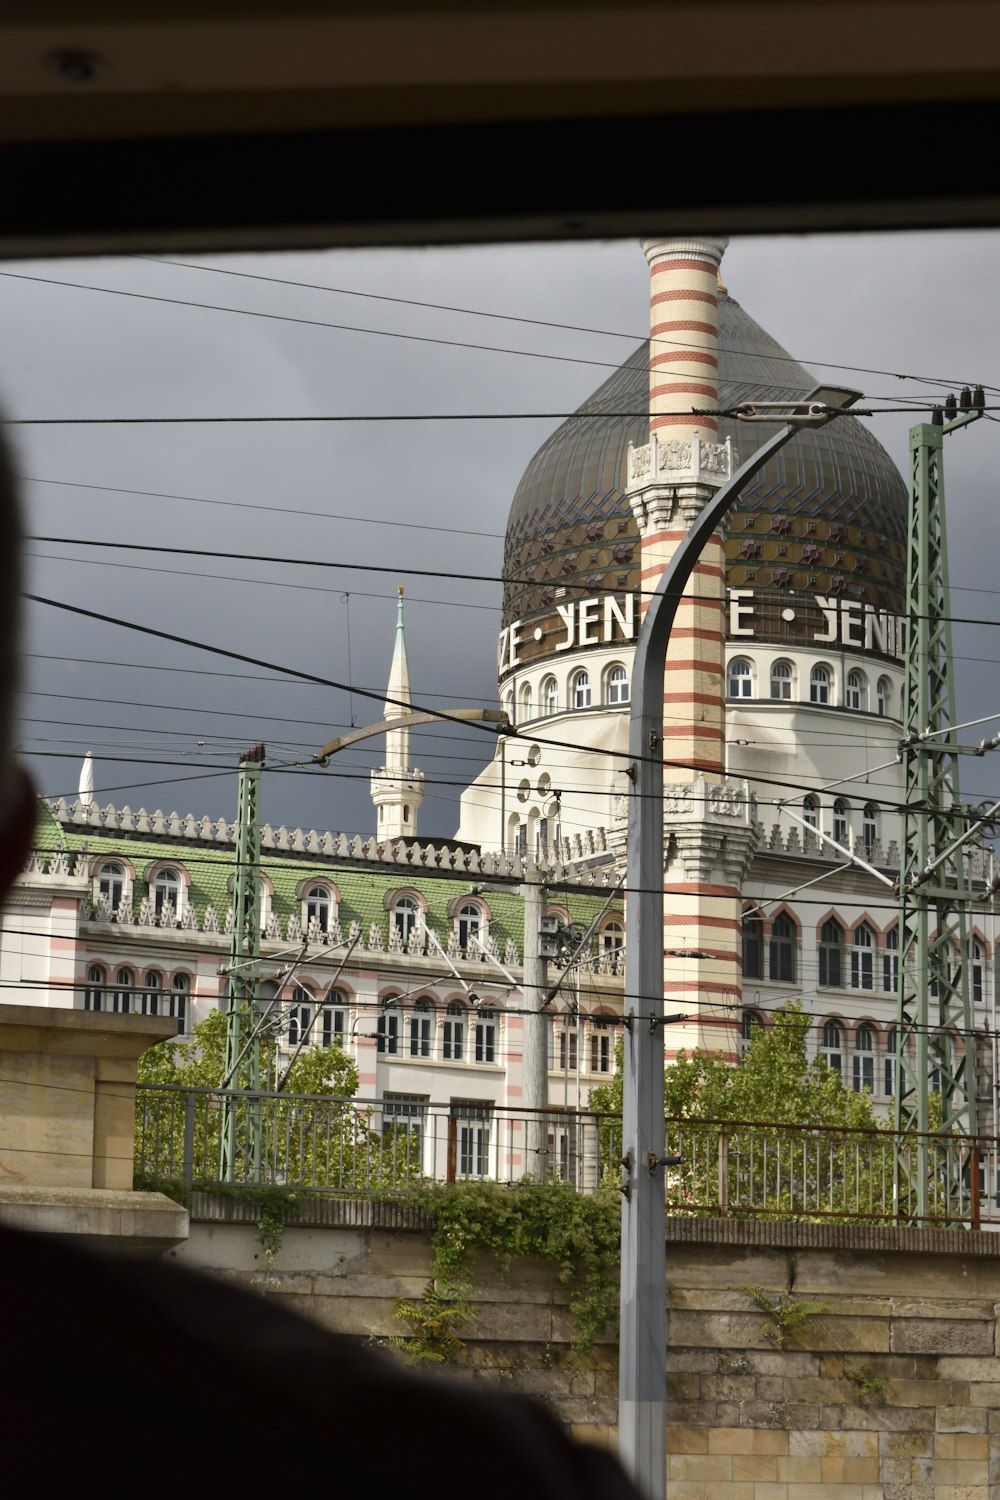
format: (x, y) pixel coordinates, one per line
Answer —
(139, 1375)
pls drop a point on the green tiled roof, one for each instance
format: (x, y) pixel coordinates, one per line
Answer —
(362, 890)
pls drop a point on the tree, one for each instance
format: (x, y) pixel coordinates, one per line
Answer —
(312, 1134)
(807, 1147)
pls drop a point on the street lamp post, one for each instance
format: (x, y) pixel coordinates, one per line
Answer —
(642, 1388)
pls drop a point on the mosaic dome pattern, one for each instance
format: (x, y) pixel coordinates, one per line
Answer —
(826, 516)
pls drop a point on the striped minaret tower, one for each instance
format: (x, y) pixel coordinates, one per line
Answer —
(397, 788)
(708, 822)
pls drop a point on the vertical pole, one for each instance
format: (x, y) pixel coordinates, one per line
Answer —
(535, 1081)
(243, 978)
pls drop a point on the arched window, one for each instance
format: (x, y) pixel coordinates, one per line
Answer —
(864, 1060)
(753, 948)
(819, 685)
(890, 1063)
(976, 971)
(318, 907)
(453, 1032)
(469, 921)
(740, 678)
(613, 945)
(525, 702)
(486, 1036)
(388, 1027)
(565, 1029)
(111, 884)
(601, 1049)
(840, 823)
(177, 1000)
(781, 949)
(749, 1021)
(167, 893)
(890, 962)
(810, 811)
(405, 914)
(420, 1029)
(151, 988)
(831, 953)
(334, 1019)
(856, 695)
(863, 958)
(883, 697)
(781, 680)
(869, 827)
(121, 997)
(299, 1016)
(93, 995)
(581, 690)
(833, 1046)
(617, 684)
(550, 696)
(508, 706)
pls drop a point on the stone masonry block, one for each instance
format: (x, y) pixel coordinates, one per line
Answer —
(941, 1336)
(962, 1418)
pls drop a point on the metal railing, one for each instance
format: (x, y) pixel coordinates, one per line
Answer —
(356, 1146)
(725, 1168)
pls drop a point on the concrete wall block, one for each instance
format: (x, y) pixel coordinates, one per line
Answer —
(941, 1336)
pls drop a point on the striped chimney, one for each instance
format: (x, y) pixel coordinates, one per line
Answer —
(707, 824)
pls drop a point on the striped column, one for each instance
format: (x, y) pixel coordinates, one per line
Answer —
(708, 826)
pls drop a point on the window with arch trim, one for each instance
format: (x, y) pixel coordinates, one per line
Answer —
(976, 961)
(167, 890)
(869, 827)
(863, 958)
(525, 701)
(781, 949)
(177, 999)
(453, 1032)
(581, 690)
(318, 904)
(883, 697)
(613, 944)
(740, 678)
(405, 917)
(565, 1029)
(856, 693)
(831, 954)
(469, 923)
(810, 811)
(299, 1016)
(334, 1019)
(549, 697)
(833, 1046)
(617, 684)
(889, 1070)
(421, 1021)
(111, 881)
(753, 947)
(601, 1044)
(93, 995)
(387, 1037)
(781, 680)
(152, 987)
(841, 810)
(819, 684)
(485, 1036)
(121, 996)
(863, 1075)
(890, 961)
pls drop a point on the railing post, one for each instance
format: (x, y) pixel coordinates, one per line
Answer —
(974, 1204)
(189, 1102)
(723, 1173)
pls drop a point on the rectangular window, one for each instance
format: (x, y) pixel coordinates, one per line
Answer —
(600, 1053)
(388, 1034)
(472, 1121)
(485, 1041)
(567, 1051)
(452, 1039)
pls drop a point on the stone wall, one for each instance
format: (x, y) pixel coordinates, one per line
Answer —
(916, 1310)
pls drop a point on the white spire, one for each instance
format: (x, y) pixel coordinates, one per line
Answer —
(396, 789)
(85, 794)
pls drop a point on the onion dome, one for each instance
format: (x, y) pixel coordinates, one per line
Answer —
(827, 516)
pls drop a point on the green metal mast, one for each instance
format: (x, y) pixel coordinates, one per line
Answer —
(935, 1041)
(243, 975)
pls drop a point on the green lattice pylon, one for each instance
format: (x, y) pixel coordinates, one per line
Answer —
(240, 1124)
(935, 1082)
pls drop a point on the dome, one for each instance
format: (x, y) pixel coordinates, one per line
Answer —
(826, 516)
